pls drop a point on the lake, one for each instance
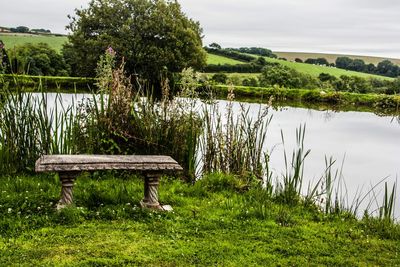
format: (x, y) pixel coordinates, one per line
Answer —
(367, 144)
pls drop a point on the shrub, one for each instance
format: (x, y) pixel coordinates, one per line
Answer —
(38, 59)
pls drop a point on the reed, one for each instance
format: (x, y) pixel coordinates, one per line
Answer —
(234, 144)
(29, 128)
(386, 211)
(289, 189)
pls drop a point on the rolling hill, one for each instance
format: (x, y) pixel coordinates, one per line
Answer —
(56, 42)
(313, 70)
(11, 40)
(291, 56)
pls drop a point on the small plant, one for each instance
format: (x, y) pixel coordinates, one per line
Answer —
(289, 190)
(386, 211)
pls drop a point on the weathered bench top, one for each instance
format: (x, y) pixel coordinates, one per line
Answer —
(66, 163)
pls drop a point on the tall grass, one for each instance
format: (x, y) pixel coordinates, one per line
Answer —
(121, 119)
(289, 190)
(30, 128)
(234, 144)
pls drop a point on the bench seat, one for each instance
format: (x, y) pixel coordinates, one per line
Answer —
(70, 166)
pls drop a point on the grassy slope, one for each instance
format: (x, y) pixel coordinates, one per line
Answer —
(313, 70)
(211, 225)
(291, 56)
(11, 40)
(215, 59)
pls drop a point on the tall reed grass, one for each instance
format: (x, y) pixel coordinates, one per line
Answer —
(30, 128)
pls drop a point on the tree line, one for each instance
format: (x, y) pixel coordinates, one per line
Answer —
(285, 77)
(383, 68)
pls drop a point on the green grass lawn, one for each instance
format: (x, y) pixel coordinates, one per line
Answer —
(11, 40)
(215, 59)
(216, 222)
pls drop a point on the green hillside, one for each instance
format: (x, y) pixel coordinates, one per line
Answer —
(215, 59)
(312, 70)
(291, 56)
(11, 40)
(315, 70)
(56, 42)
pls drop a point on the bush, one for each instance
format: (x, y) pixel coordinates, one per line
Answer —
(47, 82)
(219, 78)
(37, 59)
(285, 77)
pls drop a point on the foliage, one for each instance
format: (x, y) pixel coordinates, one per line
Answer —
(122, 120)
(229, 53)
(318, 61)
(238, 68)
(20, 29)
(381, 104)
(210, 225)
(152, 37)
(385, 67)
(4, 61)
(285, 77)
(234, 146)
(37, 59)
(47, 83)
(28, 130)
(263, 52)
(219, 78)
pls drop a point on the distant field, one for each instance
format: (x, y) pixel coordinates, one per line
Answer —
(312, 70)
(291, 56)
(215, 59)
(11, 40)
(315, 70)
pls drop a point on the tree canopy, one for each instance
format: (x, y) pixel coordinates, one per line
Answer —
(152, 36)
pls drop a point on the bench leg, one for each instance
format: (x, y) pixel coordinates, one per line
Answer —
(67, 182)
(150, 199)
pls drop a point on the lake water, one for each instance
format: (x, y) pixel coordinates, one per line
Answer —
(369, 145)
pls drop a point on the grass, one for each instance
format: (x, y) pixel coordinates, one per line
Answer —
(291, 56)
(11, 40)
(216, 59)
(310, 69)
(381, 104)
(315, 70)
(48, 83)
(210, 225)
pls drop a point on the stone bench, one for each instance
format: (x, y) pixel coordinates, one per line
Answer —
(70, 166)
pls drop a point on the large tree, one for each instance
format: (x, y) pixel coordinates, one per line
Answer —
(151, 35)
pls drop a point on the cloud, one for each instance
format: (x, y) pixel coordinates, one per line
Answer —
(341, 26)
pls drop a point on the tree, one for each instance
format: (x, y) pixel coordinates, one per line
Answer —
(343, 62)
(21, 29)
(298, 60)
(38, 59)
(4, 61)
(220, 78)
(286, 77)
(154, 37)
(215, 45)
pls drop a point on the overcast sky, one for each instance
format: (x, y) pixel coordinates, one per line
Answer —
(362, 27)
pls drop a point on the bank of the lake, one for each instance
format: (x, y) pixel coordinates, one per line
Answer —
(378, 103)
(218, 221)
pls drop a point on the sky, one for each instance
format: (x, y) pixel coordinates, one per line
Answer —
(359, 27)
